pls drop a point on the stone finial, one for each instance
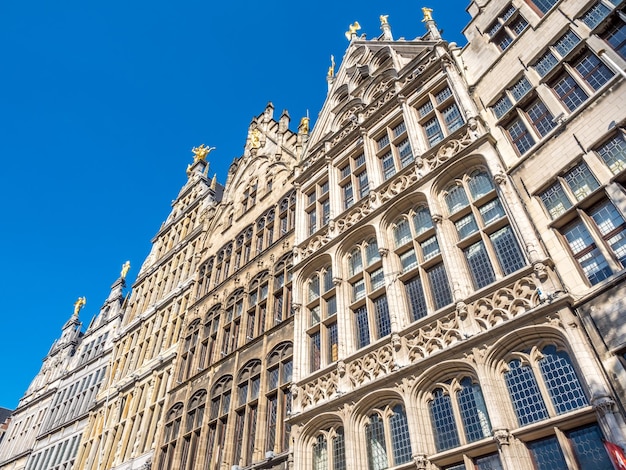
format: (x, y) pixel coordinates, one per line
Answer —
(214, 182)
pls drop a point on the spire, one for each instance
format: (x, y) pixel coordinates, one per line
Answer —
(214, 182)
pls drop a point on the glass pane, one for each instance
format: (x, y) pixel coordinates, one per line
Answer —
(401, 232)
(422, 220)
(439, 286)
(415, 297)
(371, 251)
(611, 225)
(358, 290)
(547, 454)
(339, 450)
(541, 118)
(491, 211)
(581, 181)
(566, 43)
(433, 131)
(480, 184)
(507, 250)
(502, 106)
(561, 380)
(591, 260)
(320, 454)
(456, 199)
(430, 248)
(593, 71)
(473, 411)
(377, 279)
(355, 262)
(452, 117)
(525, 395)
(545, 63)
(521, 88)
(613, 153)
(375, 438)
(589, 449)
(442, 419)
(400, 439)
(569, 91)
(555, 200)
(479, 264)
(408, 260)
(362, 327)
(490, 462)
(383, 322)
(466, 226)
(595, 15)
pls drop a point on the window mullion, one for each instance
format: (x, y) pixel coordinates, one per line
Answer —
(599, 241)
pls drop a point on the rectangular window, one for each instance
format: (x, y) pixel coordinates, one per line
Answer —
(439, 285)
(585, 251)
(333, 342)
(566, 43)
(520, 136)
(540, 117)
(545, 63)
(615, 35)
(383, 322)
(416, 298)
(348, 196)
(544, 5)
(569, 92)
(315, 351)
(362, 327)
(581, 181)
(594, 16)
(555, 200)
(613, 152)
(363, 182)
(507, 250)
(479, 264)
(593, 71)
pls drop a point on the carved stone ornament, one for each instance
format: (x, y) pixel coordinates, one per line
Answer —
(421, 461)
(541, 271)
(603, 405)
(502, 437)
(341, 368)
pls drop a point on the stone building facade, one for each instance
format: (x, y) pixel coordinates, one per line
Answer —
(46, 428)
(431, 278)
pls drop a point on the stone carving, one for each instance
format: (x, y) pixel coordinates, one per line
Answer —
(434, 337)
(321, 389)
(505, 303)
(371, 366)
(447, 150)
(603, 405)
(502, 437)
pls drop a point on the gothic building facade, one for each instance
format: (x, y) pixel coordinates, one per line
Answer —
(431, 278)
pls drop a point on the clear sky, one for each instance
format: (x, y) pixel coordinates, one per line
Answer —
(100, 105)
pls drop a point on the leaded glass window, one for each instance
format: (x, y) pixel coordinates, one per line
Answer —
(524, 392)
(613, 152)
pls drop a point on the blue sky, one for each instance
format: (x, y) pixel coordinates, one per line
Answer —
(100, 105)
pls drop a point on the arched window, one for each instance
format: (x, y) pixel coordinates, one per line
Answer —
(484, 233)
(209, 337)
(286, 213)
(387, 438)
(322, 313)
(248, 386)
(425, 280)
(257, 306)
(193, 429)
(204, 278)
(458, 405)
(232, 322)
(329, 450)
(558, 377)
(279, 372)
(368, 298)
(170, 435)
(218, 419)
(282, 290)
(189, 351)
(222, 268)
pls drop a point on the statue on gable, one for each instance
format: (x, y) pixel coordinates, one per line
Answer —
(255, 139)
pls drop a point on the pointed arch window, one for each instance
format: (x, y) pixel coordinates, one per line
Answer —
(257, 306)
(425, 280)
(458, 405)
(282, 290)
(483, 229)
(329, 450)
(543, 384)
(193, 429)
(387, 437)
(279, 374)
(218, 420)
(189, 351)
(204, 278)
(286, 214)
(170, 435)
(246, 413)
(209, 337)
(232, 322)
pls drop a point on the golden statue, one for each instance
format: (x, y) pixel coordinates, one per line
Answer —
(304, 125)
(125, 268)
(201, 152)
(331, 69)
(80, 303)
(353, 28)
(255, 139)
(427, 14)
(384, 20)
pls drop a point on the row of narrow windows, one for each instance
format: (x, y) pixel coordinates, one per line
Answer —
(249, 411)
